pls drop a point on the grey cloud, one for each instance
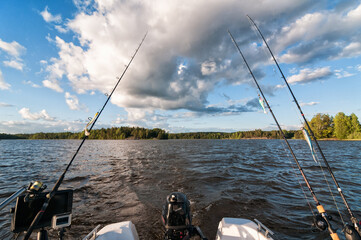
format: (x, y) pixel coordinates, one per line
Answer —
(2, 104)
(167, 72)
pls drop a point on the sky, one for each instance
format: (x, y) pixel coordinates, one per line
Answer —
(60, 59)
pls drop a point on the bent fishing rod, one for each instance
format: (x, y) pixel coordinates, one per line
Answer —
(87, 132)
(352, 217)
(320, 208)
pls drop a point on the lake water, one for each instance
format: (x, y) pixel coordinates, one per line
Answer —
(129, 180)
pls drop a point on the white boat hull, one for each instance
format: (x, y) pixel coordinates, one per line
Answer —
(228, 229)
(243, 229)
(116, 231)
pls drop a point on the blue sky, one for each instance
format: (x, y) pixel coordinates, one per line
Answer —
(58, 59)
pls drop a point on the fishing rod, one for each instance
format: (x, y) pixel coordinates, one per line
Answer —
(352, 217)
(87, 132)
(325, 218)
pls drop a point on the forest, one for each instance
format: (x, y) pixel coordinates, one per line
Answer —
(324, 126)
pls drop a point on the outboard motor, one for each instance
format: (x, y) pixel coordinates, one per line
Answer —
(177, 218)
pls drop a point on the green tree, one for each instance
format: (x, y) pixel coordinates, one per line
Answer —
(355, 125)
(322, 125)
(342, 125)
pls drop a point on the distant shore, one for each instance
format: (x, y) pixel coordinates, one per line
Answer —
(136, 133)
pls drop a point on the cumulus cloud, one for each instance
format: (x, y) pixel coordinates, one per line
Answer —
(208, 67)
(48, 17)
(13, 127)
(72, 101)
(14, 64)
(14, 49)
(173, 69)
(320, 35)
(310, 75)
(61, 29)
(54, 85)
(34, 85)
(351, 50)
(188, 52)
(3, 84)
(42, 115)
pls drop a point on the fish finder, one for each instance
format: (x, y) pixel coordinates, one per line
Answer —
(57, 214)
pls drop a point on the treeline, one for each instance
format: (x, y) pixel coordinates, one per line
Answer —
(258, 134)
(156, 133)
(101, 134)
(324, 126)
(341, 126)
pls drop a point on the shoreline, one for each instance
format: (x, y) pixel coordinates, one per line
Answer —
(133, 139)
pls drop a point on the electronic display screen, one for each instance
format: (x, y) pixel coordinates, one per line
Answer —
(25, 212)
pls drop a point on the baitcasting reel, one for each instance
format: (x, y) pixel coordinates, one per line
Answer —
(320, 223)
(351, 233)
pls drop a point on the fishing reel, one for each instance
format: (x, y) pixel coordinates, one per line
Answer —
(177, 218)
(57, 215)
(320, 223)
(350, 232)
(33, 191)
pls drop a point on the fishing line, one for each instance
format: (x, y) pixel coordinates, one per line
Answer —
(329, 188)
(298, 179)
(353, 219)
(319, 163)
(323, 217)
(51, 194)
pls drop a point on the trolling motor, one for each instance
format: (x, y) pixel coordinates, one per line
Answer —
(177, 218)
(56, 216)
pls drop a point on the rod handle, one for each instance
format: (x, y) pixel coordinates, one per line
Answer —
(334, 236)
(320, 209)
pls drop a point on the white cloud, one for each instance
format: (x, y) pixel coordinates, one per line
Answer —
(13, 127)
(42, 115)
(14, 49)
(135, 114)
(31, 84)
(61, 29)
(208, 67)
(72, 101)
(14, 64)
(310, 75)
(308, 104)
(150, 81)
(173, 69)
(48, 17)
(70, 63)
(324, 34)
(351, 50)
(340, 73)
(3, 84)
(54, 85)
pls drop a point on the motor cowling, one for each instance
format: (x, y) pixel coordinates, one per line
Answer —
(176, 216)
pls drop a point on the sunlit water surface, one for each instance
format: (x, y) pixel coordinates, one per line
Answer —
(129, 180)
